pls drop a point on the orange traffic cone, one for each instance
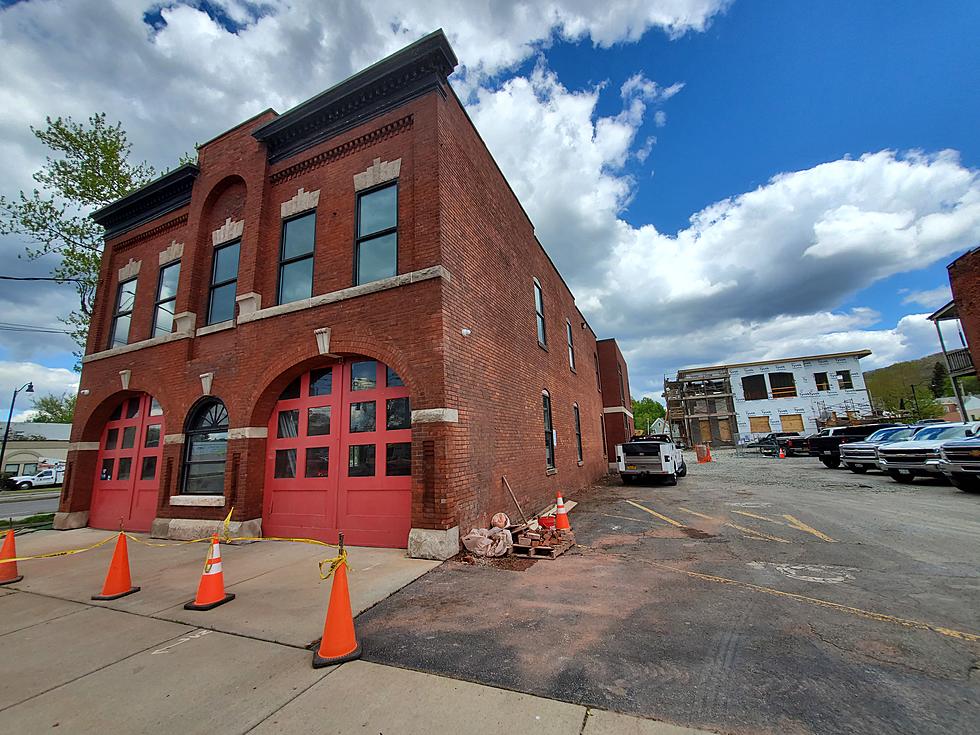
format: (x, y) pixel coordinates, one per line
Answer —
(782, 453)
(211, 590)
(339, 643)
(117, 581)
(8, 569)
(707, 453)
(561, 516)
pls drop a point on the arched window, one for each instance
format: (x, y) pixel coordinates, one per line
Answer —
(206, 446)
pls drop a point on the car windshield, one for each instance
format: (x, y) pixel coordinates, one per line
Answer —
(940, 432)
(881, 435)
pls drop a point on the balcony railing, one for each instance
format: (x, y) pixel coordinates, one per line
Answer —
(960, 362)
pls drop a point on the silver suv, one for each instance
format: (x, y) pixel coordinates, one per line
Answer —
(859, 457)
(919, 456)
(960, 462)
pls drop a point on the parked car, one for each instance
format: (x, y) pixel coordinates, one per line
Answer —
(51, 477)
(798, 445)
(771, 443)
(650, 456)
(825, 444)
(859, 457)
(959, 460)
(919, 456)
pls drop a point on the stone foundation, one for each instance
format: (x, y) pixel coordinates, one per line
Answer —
(426, 543)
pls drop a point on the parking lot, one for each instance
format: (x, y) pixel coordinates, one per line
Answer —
(758, 595)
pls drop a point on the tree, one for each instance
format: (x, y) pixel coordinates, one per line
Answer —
(940, 384)
(646, 411)
(52, 409)
(88, 168)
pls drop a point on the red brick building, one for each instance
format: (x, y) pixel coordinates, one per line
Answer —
(961, 346)
(617, 406)
(339, 319)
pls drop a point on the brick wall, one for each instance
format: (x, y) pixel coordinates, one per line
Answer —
(619, 425)
(964, 279)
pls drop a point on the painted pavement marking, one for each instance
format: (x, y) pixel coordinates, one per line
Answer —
(820, 573)
(695, 513)
(188, 637)
(671, 521)
(757, 516)
(798, 524)
(758, 534)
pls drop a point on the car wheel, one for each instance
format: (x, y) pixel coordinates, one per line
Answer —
(682, 472)
(627, 479)
(24, 485)
(671, 479)
(859, 469)
(831, 463)
(903, 476)
(966, 483)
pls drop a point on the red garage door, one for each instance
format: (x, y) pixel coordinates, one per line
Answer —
(339, 457)
(127, 476)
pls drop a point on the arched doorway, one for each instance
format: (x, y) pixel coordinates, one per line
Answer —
(127, 474)
(340, 456)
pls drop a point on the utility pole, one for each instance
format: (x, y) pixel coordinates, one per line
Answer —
(27, 387)
(915, 400)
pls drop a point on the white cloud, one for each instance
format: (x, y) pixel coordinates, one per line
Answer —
(931, 299)
(660, 118)
(14, 375)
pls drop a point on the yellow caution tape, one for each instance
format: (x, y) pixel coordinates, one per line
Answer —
(66, 552)
(335, 563)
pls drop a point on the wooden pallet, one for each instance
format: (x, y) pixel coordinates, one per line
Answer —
(544, 552)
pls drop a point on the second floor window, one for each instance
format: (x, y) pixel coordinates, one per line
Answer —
(549, 433)
(376, 250)
(622, 385)
(296, 258)
(123, 314)
(578, 431)
(539, 312)
(571, 345)
(844, 380)
(224, 283)
(163, 308)
(821, 380)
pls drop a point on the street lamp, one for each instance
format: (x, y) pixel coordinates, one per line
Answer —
(27, 388)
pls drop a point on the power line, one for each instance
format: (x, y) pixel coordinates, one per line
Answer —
(43, 278)
(12, 327)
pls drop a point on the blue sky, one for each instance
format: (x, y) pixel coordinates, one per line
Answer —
(716, 180)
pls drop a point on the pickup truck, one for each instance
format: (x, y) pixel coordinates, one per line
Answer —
(859, 457)
(648, 457)
(825, 444)
(920, 455)
(773, 441)
(51, 477)
(959, 460)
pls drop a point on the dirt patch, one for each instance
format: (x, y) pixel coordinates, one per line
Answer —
(696, 533)
(508, 563)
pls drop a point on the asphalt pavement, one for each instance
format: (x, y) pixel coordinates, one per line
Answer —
(12, 506)
(757, 596)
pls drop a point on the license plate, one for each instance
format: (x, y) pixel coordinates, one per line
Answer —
(826, 451)
(631, 466)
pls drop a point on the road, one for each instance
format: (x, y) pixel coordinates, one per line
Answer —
(758, 595)
(12, 508)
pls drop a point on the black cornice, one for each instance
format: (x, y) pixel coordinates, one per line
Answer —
(415, 70)
(171, 191)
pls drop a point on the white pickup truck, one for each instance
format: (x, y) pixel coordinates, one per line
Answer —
(50, 477)
(653, 456)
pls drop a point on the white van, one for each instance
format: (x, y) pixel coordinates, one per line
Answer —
(650, 456)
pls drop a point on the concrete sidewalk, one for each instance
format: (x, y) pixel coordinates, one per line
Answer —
(83, 668)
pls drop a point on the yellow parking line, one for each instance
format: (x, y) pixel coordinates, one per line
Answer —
(797, 523)
(694, 513)
(759, 534)
(761, 518)
(671, 521)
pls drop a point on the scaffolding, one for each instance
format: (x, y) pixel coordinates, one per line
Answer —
(700, 407)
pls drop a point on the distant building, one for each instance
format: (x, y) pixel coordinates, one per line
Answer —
(31, 444)
(960, 341)
(951, 408)
(725, 404)
(617, 407)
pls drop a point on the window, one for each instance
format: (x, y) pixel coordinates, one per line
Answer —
(571, 345)
(30, 468)
(123, 315)
(783, 385)
(622, 385)
(362, 417)
(376, 250)
(12, 469)
(163, 307)
(823, 383)
(539, 313)
(598, 380)
(754, 387)
(549, 433)
(602, 433)
(317, 461)
(398, 459)
(360, 462)
(844, 380)
(206, 447)
(759, 424)
(578, 431)
(364, 375)
(224, 283)
(296, 258)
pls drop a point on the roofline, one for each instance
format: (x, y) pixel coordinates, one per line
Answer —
(172, 191)
(854, 353)
(962, 255)
(233, 128)
(946, 311)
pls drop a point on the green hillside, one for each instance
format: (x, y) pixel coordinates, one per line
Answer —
(889, 385)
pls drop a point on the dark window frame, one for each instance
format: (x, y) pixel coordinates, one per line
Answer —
(849, 381)
(197, 413)
(571, 345)
(549, 430)
(598, 378)
(359, 240)
(170, 299)
(622, 384)
(117, 313)
(578, 431)
(215, 286)
(823, 385)
(540, 325)
(283, 262)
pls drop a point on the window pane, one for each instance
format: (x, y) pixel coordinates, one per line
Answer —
(296, 281)
(288, 424)
(129, 437)
(378, 211)
(125, 464)
(14, 469)
(362, 417)
(222, 303)
(111, 437)
(317, 461)
(364, 375)
(205, 479)
(152, 436)
(164, 317)
(226, 263)
(291, 391)
(542, 336)
(168, 281)
(321, 382)
(127, 296)
(399, 414)
(149, 469)
(377, 258)
(155, 408)
(298, 236)
(360, 462)
(106, 472)
(117, 414)
(120, 331)
(31, 469)
(211, 447)
(538, 300)
(398, 459)
(318, 421)
(394, 379)
(133, 408)
(285, 463)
